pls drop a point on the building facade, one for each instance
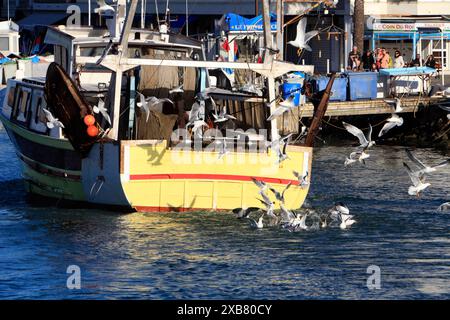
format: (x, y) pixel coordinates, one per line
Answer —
(413, 27)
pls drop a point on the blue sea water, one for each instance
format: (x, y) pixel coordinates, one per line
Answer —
(216, 256)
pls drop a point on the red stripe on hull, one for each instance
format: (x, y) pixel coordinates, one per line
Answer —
(196, 176)
(168, 209)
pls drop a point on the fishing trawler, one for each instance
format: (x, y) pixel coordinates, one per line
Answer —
(108, 125)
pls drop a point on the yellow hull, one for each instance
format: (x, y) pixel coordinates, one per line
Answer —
(156, 178)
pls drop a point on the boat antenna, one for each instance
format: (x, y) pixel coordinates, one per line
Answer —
(167, 17)
(187, 18)
(157, 13)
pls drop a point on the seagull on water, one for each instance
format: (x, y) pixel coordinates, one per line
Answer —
(100, 108)
(302, 179)
(52, 122)
(418, 180)
(444, 207)
(365, 141)
(346, 221)
(424, 169)
(283, 107)
(302, 37)
(257, 224)
(396, 103)
(393, 121)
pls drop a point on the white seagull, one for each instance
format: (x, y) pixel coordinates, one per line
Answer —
(444, 207)
(103, 8)
(149, 103)
(257, 224)
(280, 195)
(283, 107)
(52, 122)
(302, 180)
(396, 103)
(222, 116)
(100, 108)
(423, 168)
(365, 142)
(360, 156)
(393, 121)
(346, 221)
(302, 38)
(178, 89)
(418, 180)
(261, 184)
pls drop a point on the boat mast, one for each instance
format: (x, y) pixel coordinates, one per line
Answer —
(123, 55)
(268, 60)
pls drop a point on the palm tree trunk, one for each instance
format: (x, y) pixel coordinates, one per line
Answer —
(358, 20)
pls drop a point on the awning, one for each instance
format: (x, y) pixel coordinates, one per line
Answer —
(41, 19)
(232, 22)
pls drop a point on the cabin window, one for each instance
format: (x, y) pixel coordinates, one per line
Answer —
(40, 115)
(4, 44)
(61, 57)
(11, 96)
(21, 107)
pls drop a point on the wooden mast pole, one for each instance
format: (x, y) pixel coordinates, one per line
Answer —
(319, 113)
(268, 59)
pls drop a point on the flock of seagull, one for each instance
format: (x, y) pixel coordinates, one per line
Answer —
(292, 220)
(416, 175)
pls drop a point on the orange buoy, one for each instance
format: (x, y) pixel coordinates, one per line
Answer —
(92, 131)
(89, 120)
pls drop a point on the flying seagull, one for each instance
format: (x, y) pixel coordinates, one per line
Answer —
(365, 142)
(100, 108)
(103, 8)
(283, 107)
(222, 116)
(302, 180)
(280, 195)
(396, 103)
(424, 169)
(261, 184)
(302, 38)
(178, 89)
(52, 122)
(360, 156)
(418, 180)
(393, 121)
(244, 212)
(149, 103)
